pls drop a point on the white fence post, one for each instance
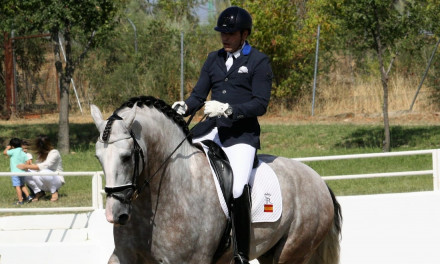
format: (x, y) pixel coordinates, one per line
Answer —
(100, 200)
(435, 169)
(95, 191)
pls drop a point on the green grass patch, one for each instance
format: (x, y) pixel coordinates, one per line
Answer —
(287, 140)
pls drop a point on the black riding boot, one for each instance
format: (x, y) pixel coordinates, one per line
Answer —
(242, 226)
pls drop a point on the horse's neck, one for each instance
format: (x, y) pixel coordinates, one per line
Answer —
(186, 167)
(181, 193)
(161, 137)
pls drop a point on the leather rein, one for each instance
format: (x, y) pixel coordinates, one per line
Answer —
(130, 192)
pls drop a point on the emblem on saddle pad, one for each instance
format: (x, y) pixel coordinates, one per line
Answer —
(265, 188)
(268, 206)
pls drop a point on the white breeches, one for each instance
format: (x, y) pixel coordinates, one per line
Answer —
(241, 157)
(44, 183)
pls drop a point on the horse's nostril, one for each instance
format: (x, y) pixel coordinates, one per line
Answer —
(123, 218)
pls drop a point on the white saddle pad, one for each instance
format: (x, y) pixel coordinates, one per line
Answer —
(266, 194)
(267, 202)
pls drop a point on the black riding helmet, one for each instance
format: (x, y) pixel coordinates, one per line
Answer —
(233, 19)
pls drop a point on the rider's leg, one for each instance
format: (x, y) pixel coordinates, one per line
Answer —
(241, 216)
(241, 157)
(213, 135)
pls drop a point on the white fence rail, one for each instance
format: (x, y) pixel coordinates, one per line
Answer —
(435, 154)
(97, 190)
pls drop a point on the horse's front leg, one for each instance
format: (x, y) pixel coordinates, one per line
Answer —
(132, 244)
(129, 255)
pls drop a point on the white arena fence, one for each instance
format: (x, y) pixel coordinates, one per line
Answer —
(435, 172)
(97, 177)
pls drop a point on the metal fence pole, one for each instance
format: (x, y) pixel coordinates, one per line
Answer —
(316, 69)
(424, 75)
(135, 35)
(181, 66)
(71, 79)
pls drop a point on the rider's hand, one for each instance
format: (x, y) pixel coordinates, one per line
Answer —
(215, 108)
(180, 107)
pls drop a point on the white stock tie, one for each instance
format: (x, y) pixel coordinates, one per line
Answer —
(229, 61)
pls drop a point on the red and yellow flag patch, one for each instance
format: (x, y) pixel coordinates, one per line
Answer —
(268, 208)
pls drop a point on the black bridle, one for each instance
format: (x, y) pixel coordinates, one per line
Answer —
(124, 193)
(130, 192)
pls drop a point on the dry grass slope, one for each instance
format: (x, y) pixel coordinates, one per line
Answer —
(338, 99)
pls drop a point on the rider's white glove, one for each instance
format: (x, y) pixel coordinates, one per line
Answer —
(215, 108)
(180, 107)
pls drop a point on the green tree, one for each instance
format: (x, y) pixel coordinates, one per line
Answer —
(6, 23)
(379, 26)
(432, 25)
(116, 73)
(432, 14)
(179, 10)
(7, 11)
(80, 26)
(286, 31)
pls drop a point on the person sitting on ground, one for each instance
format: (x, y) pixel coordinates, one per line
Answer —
(48, 160)
(17, 156)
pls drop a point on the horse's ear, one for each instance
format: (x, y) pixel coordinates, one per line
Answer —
(97, 117)
(128, 120)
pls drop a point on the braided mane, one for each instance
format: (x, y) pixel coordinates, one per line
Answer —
(159, 105)
(108, 126)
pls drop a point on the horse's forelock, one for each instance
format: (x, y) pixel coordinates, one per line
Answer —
(107, 130)
(108, 126)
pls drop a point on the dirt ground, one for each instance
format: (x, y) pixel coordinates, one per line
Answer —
(396, 118)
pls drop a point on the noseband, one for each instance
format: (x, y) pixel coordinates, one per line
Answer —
(124, 193)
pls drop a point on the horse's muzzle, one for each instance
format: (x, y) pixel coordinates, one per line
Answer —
(117, 212)
(118, 207)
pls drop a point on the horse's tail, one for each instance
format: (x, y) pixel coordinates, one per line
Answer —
(328, 250)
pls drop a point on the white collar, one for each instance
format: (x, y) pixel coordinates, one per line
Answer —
(237, 53)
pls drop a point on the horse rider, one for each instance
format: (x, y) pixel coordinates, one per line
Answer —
(239, 78)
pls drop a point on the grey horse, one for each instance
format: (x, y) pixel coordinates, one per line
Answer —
(167, 210)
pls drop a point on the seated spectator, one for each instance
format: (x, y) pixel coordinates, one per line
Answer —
(48, 160)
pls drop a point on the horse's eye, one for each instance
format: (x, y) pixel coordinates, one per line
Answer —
(126, 158)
